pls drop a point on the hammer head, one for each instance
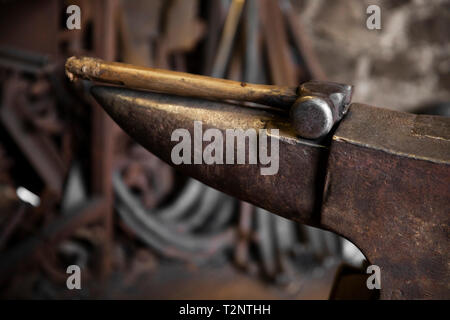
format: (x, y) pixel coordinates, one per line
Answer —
(319, 107)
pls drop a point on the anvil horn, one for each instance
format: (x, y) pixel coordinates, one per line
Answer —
(151, 118)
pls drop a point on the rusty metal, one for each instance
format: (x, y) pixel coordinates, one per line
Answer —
(103, 129)
(283, 237)
(59, 229)
(12, 224)
(302, 42)
(19, 115)
(163, 237)
(228, 35)
(387, 190)
(282, 68)
(160, 115)
(182, 229)
(42, 118)
(382, 181)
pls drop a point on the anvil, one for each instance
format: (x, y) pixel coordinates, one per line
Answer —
(379, 178)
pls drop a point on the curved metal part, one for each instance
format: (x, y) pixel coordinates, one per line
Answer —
(220, 208)
(321, 104)
(151, 119)
(224, 213)
(162, 237)
(207, 206)
(189, 196)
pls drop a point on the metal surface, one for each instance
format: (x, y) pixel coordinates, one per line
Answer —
(166, 238)
(320, 105)
(382, 182)
(387, 190)
(150, 119)
(228, 35)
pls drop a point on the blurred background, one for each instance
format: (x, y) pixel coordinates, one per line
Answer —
(75, 189)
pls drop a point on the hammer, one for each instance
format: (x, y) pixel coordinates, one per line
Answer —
(314, 107)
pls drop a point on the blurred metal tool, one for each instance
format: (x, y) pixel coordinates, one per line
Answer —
(381, 181)
(315, 107)
(169, 239)
(228, 35)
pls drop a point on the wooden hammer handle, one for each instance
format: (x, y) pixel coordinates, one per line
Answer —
(179, 83)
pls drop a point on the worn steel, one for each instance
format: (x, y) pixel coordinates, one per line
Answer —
(381, 183)
(150, 118)
(387, 190)
(312, 119)
(320, 105)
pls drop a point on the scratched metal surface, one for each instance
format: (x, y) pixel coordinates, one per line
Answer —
(387, 191)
